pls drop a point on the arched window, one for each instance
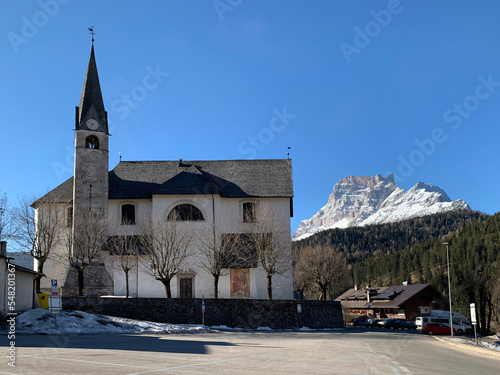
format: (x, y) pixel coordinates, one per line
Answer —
(185, 212)
(128, 214)
(92, 142)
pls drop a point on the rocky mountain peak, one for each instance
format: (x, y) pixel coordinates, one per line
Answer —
(364, 200)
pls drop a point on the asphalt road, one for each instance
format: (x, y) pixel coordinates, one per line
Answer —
(353, 351)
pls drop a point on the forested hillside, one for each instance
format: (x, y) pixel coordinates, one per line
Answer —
(360, 243)
(413, 251)
(474, 268)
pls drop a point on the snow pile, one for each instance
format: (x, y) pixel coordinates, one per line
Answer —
(42, 321)
(485, 344)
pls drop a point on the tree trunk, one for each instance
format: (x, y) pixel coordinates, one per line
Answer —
(269, 287)
(126, 283)
(166, 283)
(323, 292)
(216, 287)
(38, 278)
(80, 282)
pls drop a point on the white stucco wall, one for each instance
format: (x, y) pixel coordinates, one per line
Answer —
(229, 219)
(228, 213)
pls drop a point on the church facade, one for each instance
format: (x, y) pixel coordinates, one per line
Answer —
(224, 197)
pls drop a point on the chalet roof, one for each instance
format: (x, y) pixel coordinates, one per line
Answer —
(380, 297)
(229, 178)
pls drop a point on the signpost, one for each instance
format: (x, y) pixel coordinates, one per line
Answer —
(55, 307)
(203, 311)
(473, 319)
(53, 283)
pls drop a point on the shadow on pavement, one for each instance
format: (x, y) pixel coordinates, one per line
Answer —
(145, 343)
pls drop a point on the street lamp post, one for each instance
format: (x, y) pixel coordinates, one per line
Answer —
(449, 285)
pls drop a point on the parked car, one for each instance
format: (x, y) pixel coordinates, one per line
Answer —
(372, 322)
(460, 322)
(437, 329)
(389, 323)
(359, 323)
(405, 324)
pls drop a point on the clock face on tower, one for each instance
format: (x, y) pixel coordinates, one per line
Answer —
(92, 124)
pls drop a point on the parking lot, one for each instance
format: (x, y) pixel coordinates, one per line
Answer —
(350, 351)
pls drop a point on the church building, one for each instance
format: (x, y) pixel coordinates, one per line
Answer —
(226, 198)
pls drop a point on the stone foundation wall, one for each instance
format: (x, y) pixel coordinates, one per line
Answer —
(234, 313)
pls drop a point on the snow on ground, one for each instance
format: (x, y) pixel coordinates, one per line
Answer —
(42, 321)
(490, 342)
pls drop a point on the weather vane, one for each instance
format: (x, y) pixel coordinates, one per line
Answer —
(91, 29)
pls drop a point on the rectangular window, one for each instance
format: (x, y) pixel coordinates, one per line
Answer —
(186, 288)
(69, 217)
(128, 214)
(249, 212)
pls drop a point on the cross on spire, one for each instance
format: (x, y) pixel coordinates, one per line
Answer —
(91, 29)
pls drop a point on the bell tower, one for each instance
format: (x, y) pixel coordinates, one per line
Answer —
(90, 181)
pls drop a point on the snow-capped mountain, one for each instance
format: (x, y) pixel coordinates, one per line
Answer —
(363, 200)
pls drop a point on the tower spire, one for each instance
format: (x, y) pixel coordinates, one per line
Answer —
(91, 102)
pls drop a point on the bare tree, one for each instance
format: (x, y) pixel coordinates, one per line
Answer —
(320, 267)
(85, 240)
(271, 242)
(301, 279)
(125, 249)
(6, 222)
(166, 246)
(38, 234)
(218, 252)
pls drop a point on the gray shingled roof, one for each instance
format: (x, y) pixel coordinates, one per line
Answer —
(229, 178)
(61, 194)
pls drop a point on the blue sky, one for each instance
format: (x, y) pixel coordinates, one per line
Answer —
(354, 88)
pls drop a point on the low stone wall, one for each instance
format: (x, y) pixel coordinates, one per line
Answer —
(234, 313)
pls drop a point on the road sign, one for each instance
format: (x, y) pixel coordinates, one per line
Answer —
(473, 313)
(473, 319)
(53, 282)
(55, 304)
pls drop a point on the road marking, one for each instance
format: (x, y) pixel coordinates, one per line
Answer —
(94, 362)
(205, 363)
(344, 358)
